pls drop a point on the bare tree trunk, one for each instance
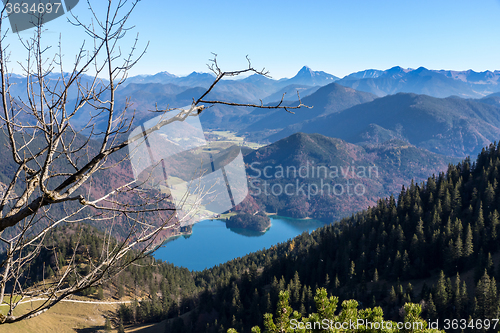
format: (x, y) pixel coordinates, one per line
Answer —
(56, 179)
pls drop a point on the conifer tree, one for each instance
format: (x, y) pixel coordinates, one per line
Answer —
(489, 195)
(431, 308)
(464, 298)
(398, 264)
(490, 267)
(415, 250)
(406, 265)
(449, 256)
(268, 303)
(456, 197)
(409, 290)
(236, 305)
(392, 296)
(295, 288)
(336, 283)
(469, 245)
(303, 301)
(483, 296)
(494, 304)
(420, 230)
(458, 253)
(441, 296)
(479, 224)
(352, 271)
(327, 281)
(447, 203)
(457, 297)
(494, 222)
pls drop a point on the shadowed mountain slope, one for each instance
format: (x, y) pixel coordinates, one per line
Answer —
(450, 126)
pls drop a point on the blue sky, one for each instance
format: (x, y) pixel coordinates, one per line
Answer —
(338, 37)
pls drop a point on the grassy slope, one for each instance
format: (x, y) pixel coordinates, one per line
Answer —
(64, 317)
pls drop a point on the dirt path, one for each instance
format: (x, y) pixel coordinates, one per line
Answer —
(73, 301)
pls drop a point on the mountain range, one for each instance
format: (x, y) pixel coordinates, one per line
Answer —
(449, 126)
(437, 83)
(447, 112)
(452, 126)
(305, 76)
(326, 100)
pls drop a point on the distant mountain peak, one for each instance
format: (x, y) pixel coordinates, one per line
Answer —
(307, 71)
(396, 72)
(307, 76)
(395, 68)
(166, 73)
(198, 76)
(399, 69)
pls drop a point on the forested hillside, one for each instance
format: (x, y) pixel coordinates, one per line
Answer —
(321, 174)
(82, 246)
(435, 244)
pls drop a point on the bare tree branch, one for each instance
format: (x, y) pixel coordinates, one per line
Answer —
(57, 178)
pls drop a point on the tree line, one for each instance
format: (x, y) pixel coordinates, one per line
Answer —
(441, 228)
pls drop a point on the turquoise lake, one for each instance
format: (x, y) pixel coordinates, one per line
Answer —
(211, 243)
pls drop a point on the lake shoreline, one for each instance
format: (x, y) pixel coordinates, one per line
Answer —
(227, 215)
(223, 217)
(290, 217)
(212, 243)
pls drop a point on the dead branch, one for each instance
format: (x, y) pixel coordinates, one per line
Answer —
(58, 175)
